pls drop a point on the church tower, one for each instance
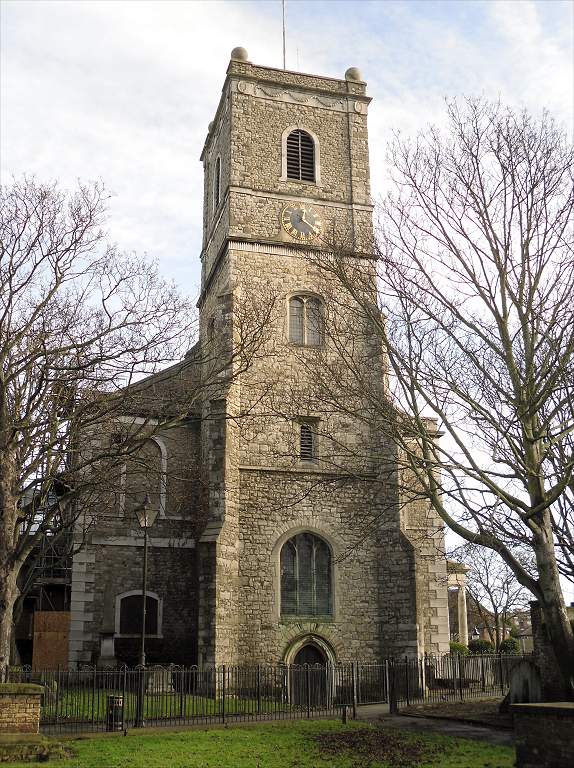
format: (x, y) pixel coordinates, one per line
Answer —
(302, 557)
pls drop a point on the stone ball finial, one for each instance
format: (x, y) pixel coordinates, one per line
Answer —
(353, 74)
(239, 54)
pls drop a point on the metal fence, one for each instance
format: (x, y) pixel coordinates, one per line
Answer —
(93, 699)
(99, 700)
(454, 677)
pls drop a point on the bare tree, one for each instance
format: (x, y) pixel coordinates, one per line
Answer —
(474, 306)
(495, 594)
(85, 335)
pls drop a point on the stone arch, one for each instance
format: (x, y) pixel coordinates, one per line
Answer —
(316, 683)
(309, 638)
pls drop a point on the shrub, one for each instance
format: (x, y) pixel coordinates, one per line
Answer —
(510, 646)
(458, 648)
(480, 646)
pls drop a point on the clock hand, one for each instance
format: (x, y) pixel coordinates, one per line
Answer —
(312, 227)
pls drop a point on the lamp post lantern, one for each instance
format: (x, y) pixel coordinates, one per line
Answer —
(146, 518)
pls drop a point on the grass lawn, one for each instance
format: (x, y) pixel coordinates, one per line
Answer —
(85, 705)
(298, 744)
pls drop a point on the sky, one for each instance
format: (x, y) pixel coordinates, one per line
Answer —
(123, 90)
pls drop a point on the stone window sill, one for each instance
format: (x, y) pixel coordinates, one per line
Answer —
(317, 619)
(302, 182)
(300, 345)
(138, 636)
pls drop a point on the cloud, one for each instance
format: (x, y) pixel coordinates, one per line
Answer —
(124, 91)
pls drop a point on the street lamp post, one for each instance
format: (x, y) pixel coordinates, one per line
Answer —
(146, 518)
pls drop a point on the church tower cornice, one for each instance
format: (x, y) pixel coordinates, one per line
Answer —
(284, 85)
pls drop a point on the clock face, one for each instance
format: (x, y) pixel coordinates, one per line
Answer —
(301, 221)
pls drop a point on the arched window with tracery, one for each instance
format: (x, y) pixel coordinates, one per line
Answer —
(300, 156)
(306, 588)
(306, 320)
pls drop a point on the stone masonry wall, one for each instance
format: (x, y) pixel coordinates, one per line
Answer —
(172, 577)
(218, 556)
(543, 734)
(374, 574)
(423, 528)
(255, 109)
(374, 606)
(389, 595)
(110, 563)
(20, 708)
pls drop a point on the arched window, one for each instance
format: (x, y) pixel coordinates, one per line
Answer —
(129, 614)
(300, 151)
(306, 320)
(306, 577)
(217, 184)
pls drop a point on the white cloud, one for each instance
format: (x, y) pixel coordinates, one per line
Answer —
(124, 91)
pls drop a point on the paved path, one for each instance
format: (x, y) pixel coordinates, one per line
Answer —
(379, 713)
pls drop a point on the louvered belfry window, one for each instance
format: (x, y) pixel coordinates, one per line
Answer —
(306, 576)
(300, 156)
(307, 443)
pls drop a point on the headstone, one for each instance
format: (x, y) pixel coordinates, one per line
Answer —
(159, 680)
(524, 685)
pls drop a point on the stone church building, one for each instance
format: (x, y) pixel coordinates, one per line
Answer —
(280, 536)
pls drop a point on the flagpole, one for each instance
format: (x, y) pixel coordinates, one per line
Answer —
(283, 9)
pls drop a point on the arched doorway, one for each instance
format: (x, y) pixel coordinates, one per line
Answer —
(310, 654)
(309, 677)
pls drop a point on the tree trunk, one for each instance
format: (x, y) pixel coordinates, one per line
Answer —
(553, 607)
(15, 659)
(8, 596)
(496, 630)
(9, 566)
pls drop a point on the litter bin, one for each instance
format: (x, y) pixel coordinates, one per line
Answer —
(115, 720)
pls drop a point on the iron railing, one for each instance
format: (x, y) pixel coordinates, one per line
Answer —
(454, 677)
(96, 700)
(91, 699)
